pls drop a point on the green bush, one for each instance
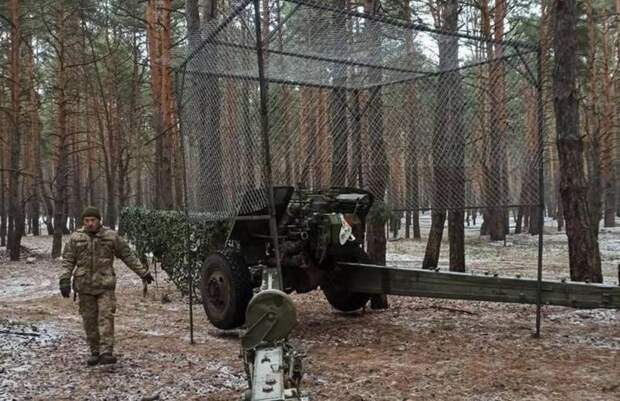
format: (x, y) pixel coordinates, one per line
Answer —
(165, 233)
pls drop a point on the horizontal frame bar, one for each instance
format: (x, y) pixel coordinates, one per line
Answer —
(250, 218)
(464, 207)
(431, 74)
(270, 80)
(333, 60)
(410, 25)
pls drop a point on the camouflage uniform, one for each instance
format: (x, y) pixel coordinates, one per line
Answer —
(94, 280)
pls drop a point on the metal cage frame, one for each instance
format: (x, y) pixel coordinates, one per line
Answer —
(521, 50)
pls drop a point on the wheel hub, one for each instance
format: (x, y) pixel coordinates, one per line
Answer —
(217, 291)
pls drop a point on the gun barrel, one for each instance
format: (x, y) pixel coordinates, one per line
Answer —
(376, 279)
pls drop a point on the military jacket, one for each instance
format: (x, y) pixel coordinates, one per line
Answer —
(88, 257)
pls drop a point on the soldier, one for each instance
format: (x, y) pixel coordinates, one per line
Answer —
(91, 251)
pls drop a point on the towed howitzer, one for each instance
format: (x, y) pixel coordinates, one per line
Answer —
(320, 243)
(316, 230)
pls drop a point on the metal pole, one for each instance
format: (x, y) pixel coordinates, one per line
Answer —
(264, 111)
(188, 261)
(541, 185)
(424, 75)
(324, 5)
(191, 296)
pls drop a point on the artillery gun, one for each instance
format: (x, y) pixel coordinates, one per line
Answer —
(320, 244)
(320, 237)
(316, 231)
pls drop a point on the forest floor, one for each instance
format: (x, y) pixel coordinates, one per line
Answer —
(419, 349)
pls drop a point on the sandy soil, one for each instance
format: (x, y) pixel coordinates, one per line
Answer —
(419, 349)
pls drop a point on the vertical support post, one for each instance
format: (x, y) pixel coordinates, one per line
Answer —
(541, 186)
(191, 298)
(189, 263)
(264, 112)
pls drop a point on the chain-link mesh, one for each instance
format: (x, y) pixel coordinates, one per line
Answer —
(420, 118)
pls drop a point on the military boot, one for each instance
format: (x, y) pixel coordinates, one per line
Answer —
(107, 358)
(93, 359)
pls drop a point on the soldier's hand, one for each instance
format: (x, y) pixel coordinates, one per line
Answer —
(147, 278)
(65, 288)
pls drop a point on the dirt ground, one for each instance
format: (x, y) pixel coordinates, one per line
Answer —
(419, 349)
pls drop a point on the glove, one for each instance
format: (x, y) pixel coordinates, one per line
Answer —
(147, 278)
(65, 288)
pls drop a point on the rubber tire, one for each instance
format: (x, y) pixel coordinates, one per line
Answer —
(334, 289)
(230, 267)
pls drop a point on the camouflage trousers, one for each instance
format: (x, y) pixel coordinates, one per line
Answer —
(98, 316)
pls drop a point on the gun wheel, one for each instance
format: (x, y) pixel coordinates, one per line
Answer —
(226, 289)
(335, 289)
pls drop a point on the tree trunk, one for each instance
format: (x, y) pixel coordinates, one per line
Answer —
(35, 132)
(339, 127)
(438, 212)
(320, 168)
(249, 145)
(497, 148)
(355, 178)
(112, 170)
(158, 41)
(529, 184)
(3, 170)
(167, 108)
(584, 256)
(560, 215)
(448, 167)
(411, 164)
(192, 19)
(519, 220)
(593, 123)
(486, 125)
(15, 210)
(408, 224)
(289, 172)
(211, 147)
(138, 184)
(154, 52)
(617, 96)
(433, 246)
(76, 187)
(608, 177)
(133, 157)
(305, 150)
(90, 192)
(311, 115)
(62, 152)
(455, 136)
(47, 192)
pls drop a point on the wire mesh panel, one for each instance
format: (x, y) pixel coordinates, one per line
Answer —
(421, 118)
(219, 118)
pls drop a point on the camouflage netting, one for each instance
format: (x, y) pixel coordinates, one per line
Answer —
(163, 235)
(422, 119)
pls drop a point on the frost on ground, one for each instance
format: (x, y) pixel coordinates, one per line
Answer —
(419, 349)
(518, 255)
